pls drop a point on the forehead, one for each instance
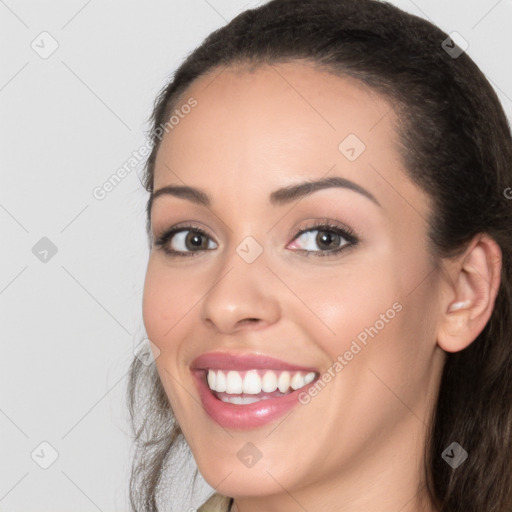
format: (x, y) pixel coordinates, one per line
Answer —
(278, 103)
(276, 123)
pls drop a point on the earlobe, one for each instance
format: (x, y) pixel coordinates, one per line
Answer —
(471, 290)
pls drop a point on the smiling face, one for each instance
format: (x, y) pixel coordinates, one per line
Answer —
(331, 282)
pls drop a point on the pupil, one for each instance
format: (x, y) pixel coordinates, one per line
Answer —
(326, 238)
(195, 239)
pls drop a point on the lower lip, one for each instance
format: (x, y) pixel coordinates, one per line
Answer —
(246, 416)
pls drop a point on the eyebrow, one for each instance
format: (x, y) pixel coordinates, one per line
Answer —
(277, 198)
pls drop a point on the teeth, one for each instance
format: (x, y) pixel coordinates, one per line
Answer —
(309, 377)
(233, 383)
(212, 377)
(269, 383)
(297, 381)
(220, 381)
(234, 400)
(283, 382)
(254, 382)
(240, 400)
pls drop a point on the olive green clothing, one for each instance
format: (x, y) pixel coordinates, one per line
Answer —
(216, 503)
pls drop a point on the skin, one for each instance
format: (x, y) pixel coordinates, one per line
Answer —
(358, 445)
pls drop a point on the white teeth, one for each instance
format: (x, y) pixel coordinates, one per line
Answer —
(240, 400)
(212, 377)
(233, 383)
(220, 381)
(310, 377)
(283, 383)
(254, 382)
(297, 381)
(269, 382)
(234, 400)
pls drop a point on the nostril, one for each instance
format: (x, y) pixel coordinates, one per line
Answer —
(249, 320)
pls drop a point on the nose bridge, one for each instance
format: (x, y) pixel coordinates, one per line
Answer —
(241, 291)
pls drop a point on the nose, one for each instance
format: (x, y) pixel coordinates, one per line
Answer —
(243, 295)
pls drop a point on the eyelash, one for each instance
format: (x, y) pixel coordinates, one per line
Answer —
(344, 231)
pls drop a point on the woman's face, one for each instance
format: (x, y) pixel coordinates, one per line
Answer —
(257, 304)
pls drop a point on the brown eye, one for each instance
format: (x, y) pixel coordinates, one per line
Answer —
(323, 240)
(189, 240)
(195, 240)
(185, 241)
(328, 240)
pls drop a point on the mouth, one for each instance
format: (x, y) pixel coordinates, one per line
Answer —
(247, 387)
(247, 391)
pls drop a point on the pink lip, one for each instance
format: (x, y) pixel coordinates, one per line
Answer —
(247, 416)
(240, 362)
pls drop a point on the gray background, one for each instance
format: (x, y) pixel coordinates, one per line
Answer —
(70, 322)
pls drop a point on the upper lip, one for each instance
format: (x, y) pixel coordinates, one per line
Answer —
(232, 361)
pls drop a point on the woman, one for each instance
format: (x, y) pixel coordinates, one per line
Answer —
(328, 293)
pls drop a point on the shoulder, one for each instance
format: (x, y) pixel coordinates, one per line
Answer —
(216, 503)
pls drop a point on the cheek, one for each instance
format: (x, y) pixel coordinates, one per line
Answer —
(339, 303)
(167, 299)
(370, 311)
(377, 320)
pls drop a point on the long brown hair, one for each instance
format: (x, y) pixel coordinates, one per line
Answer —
(456, 143)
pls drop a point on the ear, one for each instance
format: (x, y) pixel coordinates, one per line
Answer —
(469, 293)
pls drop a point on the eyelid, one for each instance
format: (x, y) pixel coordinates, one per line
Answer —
(183, 226)
(329, 223)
